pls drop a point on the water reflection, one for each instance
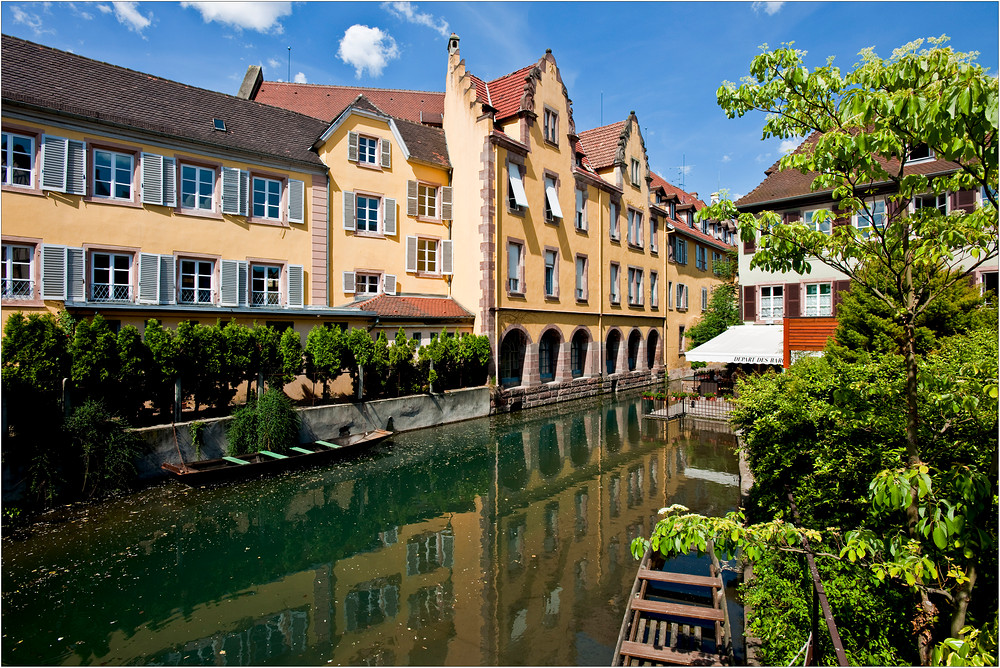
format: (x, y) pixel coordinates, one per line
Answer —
(502, 541)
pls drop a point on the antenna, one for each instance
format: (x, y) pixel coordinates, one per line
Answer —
(602, 107)
(683, 171)
(289, 79)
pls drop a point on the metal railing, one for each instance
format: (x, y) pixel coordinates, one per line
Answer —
(111, 293)
(18, 288)
(188, 296)
(264, 298)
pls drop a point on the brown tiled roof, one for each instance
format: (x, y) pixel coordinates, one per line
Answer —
(482, 90)
(44, 77)
(505, 92)
(686, 199)
(601, 144)
(415, 308)
(424, 142)
(781, 185)
(326, 102)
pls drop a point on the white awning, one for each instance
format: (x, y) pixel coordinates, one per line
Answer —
(553, 199)
(516, 185)
(743, 344)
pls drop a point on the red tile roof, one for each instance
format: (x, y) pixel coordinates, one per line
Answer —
(399, 307)
(505, 92)
(325, 102)
(686, 199)
(601, 144)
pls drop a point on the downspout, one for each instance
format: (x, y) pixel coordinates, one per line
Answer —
(497, 258)
(663, 338)
(601, 353)
(329, 237)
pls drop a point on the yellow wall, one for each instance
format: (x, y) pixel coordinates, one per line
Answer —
(695, 279)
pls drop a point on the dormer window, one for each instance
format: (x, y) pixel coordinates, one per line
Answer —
(918, 153)
(219, 124)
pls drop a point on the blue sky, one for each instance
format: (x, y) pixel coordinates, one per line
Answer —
(663, 60)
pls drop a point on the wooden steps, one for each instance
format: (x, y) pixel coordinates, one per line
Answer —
(678, 610)
(670, 656)
(680, 578)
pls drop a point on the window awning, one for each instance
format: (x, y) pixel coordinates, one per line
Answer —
(516, 185)
(553, 199)
(743, 344)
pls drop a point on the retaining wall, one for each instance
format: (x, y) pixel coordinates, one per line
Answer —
(516, 398)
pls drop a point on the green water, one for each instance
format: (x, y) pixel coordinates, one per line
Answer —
(498, 541)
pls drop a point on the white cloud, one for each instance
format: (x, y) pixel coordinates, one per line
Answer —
(129, 16)
(408, 12)
(274, 63)
(105, 9)
(789, 145)
(735, 196)
(367, 49)
(33, 21)
(763, 157)
(85, 15)
(685, 169)
(300, 77)
(726, 158)
(259, 16)
(770, 8)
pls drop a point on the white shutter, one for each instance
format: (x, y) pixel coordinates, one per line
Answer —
(349, 282)
(296, 201)
(53, 272)
(244, 192)
(447, 258)
(167, 272)
(75, 273)
(149, 278)
(411, 198)
(390, 284)
(229, 283)
(411, 254)
(54, 159)
(169, 182)
(352, 146)
(386, 154)
(296, 285)
(516, 185)
(389, 217)
(553, 198)
(152, 179)
(76, 168)
(230, 190)
(446, 203)
(244, 289)
(349, 221)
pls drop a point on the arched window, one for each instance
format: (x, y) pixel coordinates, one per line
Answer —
(512, 358)
(633, 349)
(651, 342)
(578, 353)
(614, 343)
(548, 355)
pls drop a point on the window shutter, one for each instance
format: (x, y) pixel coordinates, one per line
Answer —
(54, 159)
(749, 303)
(53, 272)
(793, 300)
(840, 218)
(411, 254)
(686, 291)
(149, 278)
(231, 191)
(964, 200)
(76, 168)
(349, 222)
(553, 198)
(838, 289)
(169, 182)
(229, 283)
(296, 285)
(167, 293)
(386, 153)
(750, 246)
(349, 282)
(352, 146)
(244, 288)
(389, 217)
(152, 179)
(411, 198)
(75, 290)
(296, 201)
(517, 185)
(244, 192)
(389, 282)
(447, 259)
(446, 203)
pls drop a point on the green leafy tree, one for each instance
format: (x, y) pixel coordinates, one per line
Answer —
(402, 367)
(106, 446)
(722, 313)
(266, 359)
(35, 351)
(361, 355)
(95, 365)
(238, 365)
(290, 350)
(325, 354)
(164, 369)
(134, 362)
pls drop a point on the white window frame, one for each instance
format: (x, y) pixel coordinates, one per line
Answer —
(865, 222)
(17, 289)
(199, 171)
(367, 278)
(941, 202)
(117, 291)
(704, 298)
(635, 227)
(8, 161)
(515, 183)
(581, 209)
(826, 227)
(426, 247)
(550, 126)
(515, 284)
(550, 275)
(682, 297)
(654, 289)
(425, 193)
(113, 183)
(654, 231)
(196, 297)
(614, 274)
(775, 299)
(582, 282)
(816, 305)
(553, 212)
(268, 194)
(634, 174)
(271, 294)
(614, 231)
(368, 209)
(670, 295)
(635, 295)
(375, 151)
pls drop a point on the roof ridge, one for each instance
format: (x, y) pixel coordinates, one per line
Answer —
(344, 86)
(509, 74)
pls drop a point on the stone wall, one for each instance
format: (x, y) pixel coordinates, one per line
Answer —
(516, 398)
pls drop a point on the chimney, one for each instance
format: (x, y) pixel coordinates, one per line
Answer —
(251, 83)
(453, 44)
(715, 198)
(695, 195)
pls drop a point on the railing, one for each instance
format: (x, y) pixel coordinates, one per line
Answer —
(702, 395)
(111, 293)
(265, 298)
(188, 296)
(18, 288)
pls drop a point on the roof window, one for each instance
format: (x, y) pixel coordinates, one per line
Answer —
(219, 124)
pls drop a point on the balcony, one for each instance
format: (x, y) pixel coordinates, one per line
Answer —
(111, 293)
(265, 298)
(18, 288)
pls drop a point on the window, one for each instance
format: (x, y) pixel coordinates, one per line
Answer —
(670, 294)
(427, 201)
(931, 201)
(635, 286)
(552, 208)
(682, 296)
(417, 339)
(578, 354)
(427, 255)
(634, 227)
(716, 262)
(113, 175)
(819, 299)
(701, 257)
(198, 188)
(550, 126)
(920, 152)
(17, 159)
(654, 289)
(635, 172)
(704, 226)
(873, 217)
(367, 150)
(613, 222)
(811, 221)
(266, 198)
(265, 285)
(772, 302)
(17, 272)
(551, 274)
(366, 284)
(654, 228)
(989, 287)
(367, 213)
(680, 339)
(615, 294)
(680, 250)
(581, 278)
(110, 277)
(690, 219)
(515, 258)
(581, 208)
(704, 299)
(196, 281)
(516, 199)
(548, 354)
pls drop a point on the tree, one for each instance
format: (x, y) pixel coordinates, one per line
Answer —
(722, 313)
(290, 349)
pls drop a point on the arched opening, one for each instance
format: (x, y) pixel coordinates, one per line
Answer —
(614, 343)
(634, 339)
(548, 355)
(651, 342)
(578, 353)
(512, 358)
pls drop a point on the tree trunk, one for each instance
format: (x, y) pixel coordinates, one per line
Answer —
(923, 626)
(962, 603)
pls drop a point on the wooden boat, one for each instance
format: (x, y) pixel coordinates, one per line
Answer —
(665, 623)
(228, 469)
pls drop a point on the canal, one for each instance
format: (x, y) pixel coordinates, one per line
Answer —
(497, 541)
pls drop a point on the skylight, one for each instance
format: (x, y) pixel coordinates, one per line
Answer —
(219, 124)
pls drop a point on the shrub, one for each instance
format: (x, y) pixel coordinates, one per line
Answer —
(106, 446)
(241, 432)
(268, 423)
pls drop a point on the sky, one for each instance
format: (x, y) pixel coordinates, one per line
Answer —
(664, 60)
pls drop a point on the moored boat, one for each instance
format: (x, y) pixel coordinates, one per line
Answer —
(265, 462)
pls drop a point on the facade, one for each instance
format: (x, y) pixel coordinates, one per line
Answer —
(806, 305)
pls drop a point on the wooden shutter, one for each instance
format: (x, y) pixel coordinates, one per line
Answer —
(749, 303)
(231, 191)
(838, 288)
(352, 146)
(169, 182)
(229, 283)
(964, 200)
(791, 217)
(411, 254)
(244, 283)
(671, 255)
(75, 273)
(167, 272)
(447, 260)
(446, 203)
(149, 278)
(244, 192)
(411, 198)
(349, 218)
(53, 272)
(54, 159)
(750, 246)
(151, 187)
(386, 153)
(349, 282)
(296, 201)
(296, 285)
(793, 300)
(389, 217)
(839, 219)
(76, 168)
(389, 284)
